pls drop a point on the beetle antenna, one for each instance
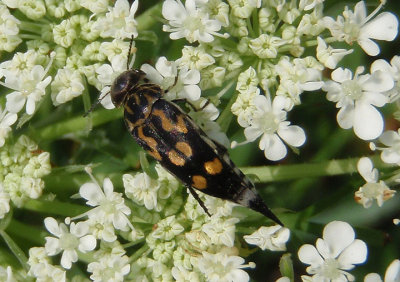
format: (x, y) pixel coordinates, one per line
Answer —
(129, 53)
(94, 105)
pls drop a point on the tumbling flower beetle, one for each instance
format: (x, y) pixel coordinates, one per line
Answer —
(171, 137)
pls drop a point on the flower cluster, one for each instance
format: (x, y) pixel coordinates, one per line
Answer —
(22, 167)
(79, 43)
(178, 243)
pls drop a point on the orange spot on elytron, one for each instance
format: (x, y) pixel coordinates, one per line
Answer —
(181, 126)
(175, 158)
(169, 125)
(151, 142)
(199, 182)
(184, 148)
(213, 167)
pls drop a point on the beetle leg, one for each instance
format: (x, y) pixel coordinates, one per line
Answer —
(201, 203)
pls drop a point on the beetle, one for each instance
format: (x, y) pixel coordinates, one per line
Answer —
(173, 139)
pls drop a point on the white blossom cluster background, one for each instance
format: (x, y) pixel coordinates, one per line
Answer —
(304, 94)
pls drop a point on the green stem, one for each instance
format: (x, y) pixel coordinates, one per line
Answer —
(16, 250)
(139, 253)
(55, 207)
(298, 171)
(74, 124)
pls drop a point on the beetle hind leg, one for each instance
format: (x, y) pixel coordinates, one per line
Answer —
(200, 201)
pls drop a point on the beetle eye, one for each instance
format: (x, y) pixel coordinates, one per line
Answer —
(119, 84)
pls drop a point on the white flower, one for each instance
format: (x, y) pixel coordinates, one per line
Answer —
(337, 252)
(273, 238)
(195, 58)
(307, 5)
(67, 84)
(244, 106)
(29, 87)
(142, 189)
(372, 189)
(296, 77)
(117, 48)
(119, 22)
(68, 242)
(391, 154)
(38, 166)
(95, 6)
(167, 229)
(243, 8)
(109, 268)
(269, 122)
(358, 27)
(221, 267)
(101, 230)
(357, 98)
(108, 204)
(4, 202)
(189, 21)
(221, 230)
(20, 62)
(38, 261)
(181, 84)
(247, 81)
(329, 56)
(392, 274)
(8, 23)
(393, 69)
(266, 46)
(181, 274)
(9, 29)
(6, 120)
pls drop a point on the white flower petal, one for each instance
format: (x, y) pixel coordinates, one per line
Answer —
(345, 117)
(390, 156)
(152, 74)
(79, 229)
(15, 101)
(341, 75)
(52, 246)
(293, 135)
(372, 277)
(393, 272)
(338, 235)
(376, 99)
(9, 119)
(379, 81)
(382, 27)
(252, 133)
(274, 149)
(308, 254)
(368, 122)
(192, 92)
(52, 226)
(87, 243)
(366, 169)
(67, 257)
(108, 187)
(389, 138)
(369, 46)
(92, 193)
(356, 253)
